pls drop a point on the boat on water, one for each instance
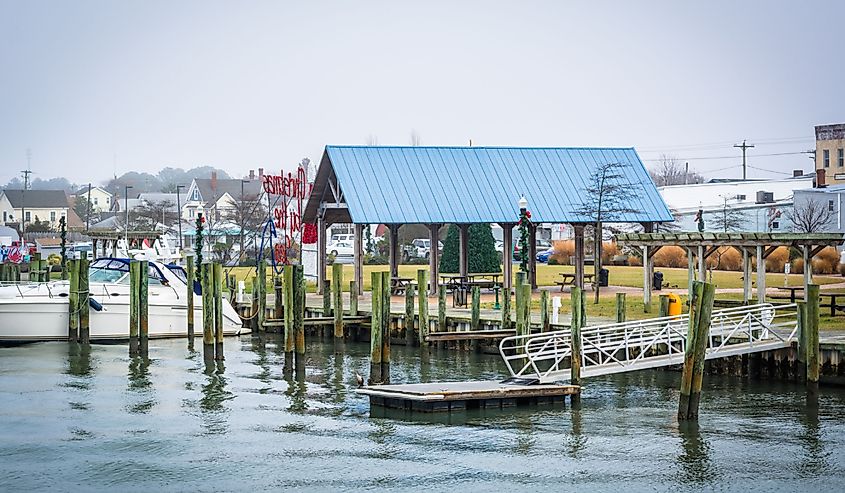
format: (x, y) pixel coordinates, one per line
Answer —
(39, 311)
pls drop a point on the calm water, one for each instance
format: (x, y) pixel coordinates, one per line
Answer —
(102, 421)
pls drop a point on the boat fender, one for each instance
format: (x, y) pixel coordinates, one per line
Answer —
(96, 305)
(197, 288)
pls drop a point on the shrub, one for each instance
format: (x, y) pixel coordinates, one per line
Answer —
(778, 259)
(827, 261)
(842, 269)
(481, 250)
(608, 251)
(636, 261)
(798, 266)
(553, 261)
(563, 250)
(668, 256)
(725, 259)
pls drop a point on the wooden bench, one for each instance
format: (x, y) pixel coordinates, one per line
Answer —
(569, 280)
(398, 285)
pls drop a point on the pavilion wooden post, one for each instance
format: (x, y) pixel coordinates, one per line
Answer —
(375, 328)
(690, 271)
(507, 258)
(761, 275)
(701, 306)
(189, 295)
(621, 309)
(322, 231)
(410, 329)
(812, 337)
(579, 255)
(337, 282)
(746, 276)
(532, 255)
(358, 245)
(433, 258)
(423, 305)
(808, 270)
(393, 249)
(702, 265)
(463, 249)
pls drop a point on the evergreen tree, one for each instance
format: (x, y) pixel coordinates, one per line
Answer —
(481, 250)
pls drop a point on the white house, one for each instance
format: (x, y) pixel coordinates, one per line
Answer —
(215, 197)
(28, 205)
(100, 198)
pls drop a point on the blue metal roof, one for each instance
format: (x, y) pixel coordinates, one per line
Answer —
(438, 185)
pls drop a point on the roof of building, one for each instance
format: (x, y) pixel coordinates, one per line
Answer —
(37, 199)
(84, 190)
(709, 195)
(438, 185)
(48, 242)
(252, 188)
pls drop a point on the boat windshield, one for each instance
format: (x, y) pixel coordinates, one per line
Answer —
(178, 271)
(116, 270)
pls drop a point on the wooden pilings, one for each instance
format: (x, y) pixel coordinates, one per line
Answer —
(337, 282)
(409, 316)
(217, 280)
(375, 329)
(621, 309)
(663, 309)
(353, 298)
(290, 331)
(701, 306)
(134, 306)
(262, 294)
(544, 311)
(278, 298)
(143, 306)
(441, 308)
(83, 299)
(506, 308)
(253, 317)
(327, 306)
(811, 338)
(207, 276)
(73, 302)
(475, 317)
(385, 327)
(577, 323)
(191, 275)
(523, 304)
(422, 315)
(298, 290)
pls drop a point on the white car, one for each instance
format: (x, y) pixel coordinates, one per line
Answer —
(344, 238)
(342, 249)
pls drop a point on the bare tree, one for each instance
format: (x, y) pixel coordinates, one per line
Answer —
(810, 216)
(149, 213)
(372, 140)
(249, 213)
(415, 138)
(727, 218)
(607, 196)
(670, 171)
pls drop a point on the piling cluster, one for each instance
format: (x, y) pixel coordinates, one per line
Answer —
(79, 327)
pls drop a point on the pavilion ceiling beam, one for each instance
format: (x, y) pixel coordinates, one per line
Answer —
(710, 251)
(816, 250)
(769, 250)
(653, 250)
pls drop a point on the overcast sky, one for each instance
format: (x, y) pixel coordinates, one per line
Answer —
(102, 87)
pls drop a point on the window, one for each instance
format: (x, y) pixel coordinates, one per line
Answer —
(5, 216)
(52, 216)
(830, 205)
(28, 217)
(841, 157)
(195, 196)
(826, 158)
(95, 201)
(108, 200)
(775, 225)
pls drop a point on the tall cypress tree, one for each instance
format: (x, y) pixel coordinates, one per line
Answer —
(481, 249)
(449, 260)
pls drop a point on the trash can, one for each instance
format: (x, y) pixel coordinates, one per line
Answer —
(657, 281)
(603, 277)
(675, 307)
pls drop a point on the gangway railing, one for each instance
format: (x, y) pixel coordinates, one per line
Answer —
(649, 343)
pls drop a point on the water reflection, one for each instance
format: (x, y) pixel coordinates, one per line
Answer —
(214, 394)
(140, 386)
(814, 461)
(577, 441)
(694, 459)
(296, 392)
(79, 360)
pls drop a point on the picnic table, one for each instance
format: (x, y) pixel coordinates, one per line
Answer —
(792, 290)
(834, 307)
(568, 279)
(398, 285)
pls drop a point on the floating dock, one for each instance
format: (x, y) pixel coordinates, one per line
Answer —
(460, 396)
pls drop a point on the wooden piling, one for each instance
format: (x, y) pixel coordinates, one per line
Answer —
(475, 320)
(298, 317)
(526, 307)
(134, 306)
(385, 327)
(232, 284)
(217, 280)
(208, 312)
(441, 308)
(189, 270)
(812, 337)
(375, 329)
(290, 331)
(253, 312)
(262, 294)
(353, 298)
(577, 298)
(701, 307)
(73, 302)
(801, 352)
(84, 300)
(327, 308)
(143, 307)
(663, 309)
(422, 316)
(506, 309)
(278, 298)
(410, 329)
(544, 311)
(337, 291)
(621, 309)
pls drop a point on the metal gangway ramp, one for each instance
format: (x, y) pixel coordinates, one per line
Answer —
(649, 343)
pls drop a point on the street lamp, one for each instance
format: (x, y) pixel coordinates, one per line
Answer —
(523, 204)
(179, 214)
(126, 206)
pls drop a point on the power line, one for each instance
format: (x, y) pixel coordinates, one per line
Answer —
(703, 158)
(744, 147)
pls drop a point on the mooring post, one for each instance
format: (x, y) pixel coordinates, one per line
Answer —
(701, 307)
(410, 329)
(375, 329)
(812, 337)
(326, 330)
(262, 294)
(803, 329)
(475, 320)
(189, 270)
(217, 279)
(353, 298)
(517, 294)
(578, 305)
(544, 311)
(422, 283)
(232, 285)
(208, 312)
(35, 267)
(84, 301)
(441, 308)
(278, 299)
(663, 310)
(385, 327)
(253, 310)
(134, 305)
(621, 309)
(506, 308)
(298, 317)
(290, 330)
(526, 306)
(143, 307)
(73, 302)
(337, 291)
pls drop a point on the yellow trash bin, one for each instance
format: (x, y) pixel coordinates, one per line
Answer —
(675, 307)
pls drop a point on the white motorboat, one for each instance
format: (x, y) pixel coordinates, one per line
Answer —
(39, 311)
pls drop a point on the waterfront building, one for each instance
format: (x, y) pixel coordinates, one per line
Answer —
(24, 206)
(100, 199)
(830, 153)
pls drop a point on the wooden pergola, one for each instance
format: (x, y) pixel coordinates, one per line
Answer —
(699, 246)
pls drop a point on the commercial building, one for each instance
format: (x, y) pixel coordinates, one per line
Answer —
(830, 153)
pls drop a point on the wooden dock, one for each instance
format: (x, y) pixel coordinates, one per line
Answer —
(460, 396)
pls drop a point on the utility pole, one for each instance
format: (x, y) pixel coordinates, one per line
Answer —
(26, 174)
(686, 172)
(744, 146)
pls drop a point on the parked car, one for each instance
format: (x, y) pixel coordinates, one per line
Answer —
(342, 249)
(541, 246)
(341, 238)
(545, 254)
(419, 248)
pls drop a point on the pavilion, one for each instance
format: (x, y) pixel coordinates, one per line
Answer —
(435, 186)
